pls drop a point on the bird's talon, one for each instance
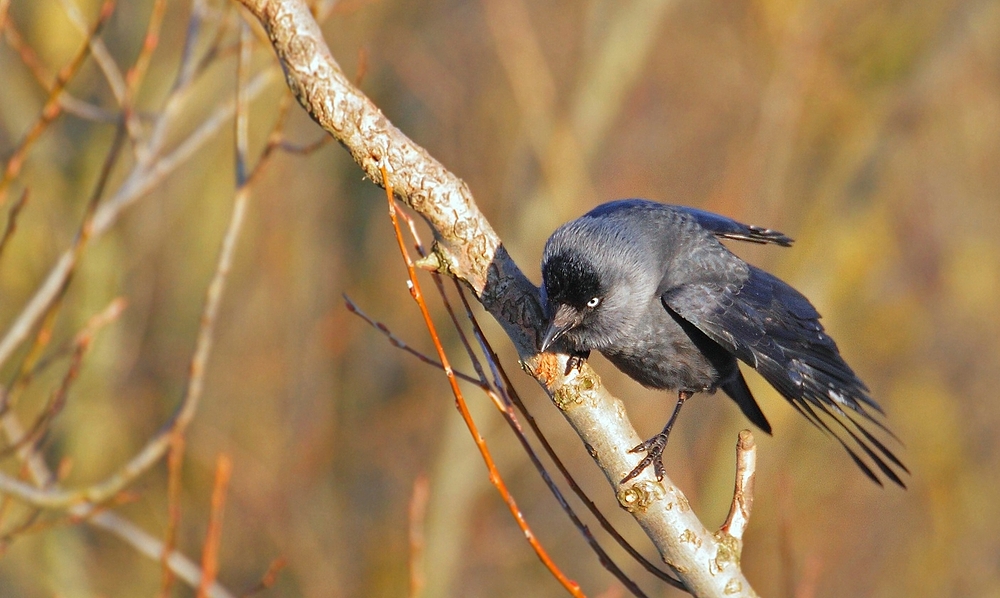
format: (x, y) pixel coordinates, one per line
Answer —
(654, 456)
(575, 362)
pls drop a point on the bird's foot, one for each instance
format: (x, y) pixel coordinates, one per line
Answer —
(576, 361)
(654, 456)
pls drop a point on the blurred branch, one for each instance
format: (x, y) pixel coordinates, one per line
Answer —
(11, 225)
(175, 459)
(210, 550)
(140, 181)
(564, 142)
(467, 247)
(43, 489)
(52, 108)
(418, 514)
(112, 74)
(152, 548)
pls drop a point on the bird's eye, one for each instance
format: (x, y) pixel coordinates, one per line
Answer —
(594, 302)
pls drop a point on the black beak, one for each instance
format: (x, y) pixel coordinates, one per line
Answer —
(562, 321)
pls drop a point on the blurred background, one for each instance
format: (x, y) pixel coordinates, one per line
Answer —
(868, 131)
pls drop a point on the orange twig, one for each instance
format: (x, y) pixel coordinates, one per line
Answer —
(210, 550)
(270, 576)
(135, 74)
(175, 458)
(27, 54)
(571, 586)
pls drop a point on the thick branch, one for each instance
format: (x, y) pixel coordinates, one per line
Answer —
(467, 247)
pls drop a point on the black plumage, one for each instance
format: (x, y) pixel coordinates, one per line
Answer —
(651, 287)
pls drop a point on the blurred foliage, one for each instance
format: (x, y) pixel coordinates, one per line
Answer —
(869, 131)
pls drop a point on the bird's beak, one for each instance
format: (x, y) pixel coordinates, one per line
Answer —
(562, 321)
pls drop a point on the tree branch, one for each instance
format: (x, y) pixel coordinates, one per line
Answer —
(467, 247)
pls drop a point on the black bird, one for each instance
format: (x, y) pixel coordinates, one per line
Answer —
(652, 288)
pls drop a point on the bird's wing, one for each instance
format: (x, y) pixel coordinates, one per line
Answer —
(727, 228)
(773, 328)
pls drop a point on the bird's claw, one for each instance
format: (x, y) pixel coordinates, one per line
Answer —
(576, 361)
(654, 456)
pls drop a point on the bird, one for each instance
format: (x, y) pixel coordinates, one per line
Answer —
(652, 288)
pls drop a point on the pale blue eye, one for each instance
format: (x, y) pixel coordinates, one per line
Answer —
(594, 302)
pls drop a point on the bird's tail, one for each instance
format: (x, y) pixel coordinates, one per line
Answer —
(739, 391)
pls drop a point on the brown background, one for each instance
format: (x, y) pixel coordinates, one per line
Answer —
(868, 131)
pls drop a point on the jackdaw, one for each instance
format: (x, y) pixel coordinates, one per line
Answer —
(653, 289)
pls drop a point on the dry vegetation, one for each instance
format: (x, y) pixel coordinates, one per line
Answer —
(297, 439)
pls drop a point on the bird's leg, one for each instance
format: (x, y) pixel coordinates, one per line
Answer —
(655, 445)
(576, 361)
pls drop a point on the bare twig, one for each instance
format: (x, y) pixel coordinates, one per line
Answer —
(746, 470)
(401, 344)
(26, 53)
(158, 444)
(11, 225)
(152, 548)
(52, 108)
(134, 76)
(113, 75)
(270, 576)
(175, 460)
(571, 586)
(210, 550)
(107, 316)
(49, 311)
(139, 182)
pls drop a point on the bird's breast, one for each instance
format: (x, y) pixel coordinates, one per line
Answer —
(658, 353)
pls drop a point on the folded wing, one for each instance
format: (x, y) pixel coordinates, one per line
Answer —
(774, 329)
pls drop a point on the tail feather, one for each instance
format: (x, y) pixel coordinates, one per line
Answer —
(738, 390)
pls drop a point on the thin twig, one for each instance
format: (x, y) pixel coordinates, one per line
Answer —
(140, 181)
(51, 109)
(175, 461)
(158, 445)
(401, 344)
(105, 317)
(571, 586)
(54, 405)
(134, 76)
(152, 548)
(12, 215)
(44, 334)
(114, 77)
(270, 576)
(242, 120)
(27, 54)
(746, 471)
(210, 550)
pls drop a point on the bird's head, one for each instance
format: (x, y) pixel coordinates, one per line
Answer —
(573, 294)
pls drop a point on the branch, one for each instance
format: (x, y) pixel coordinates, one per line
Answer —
(467, 248)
